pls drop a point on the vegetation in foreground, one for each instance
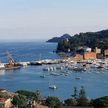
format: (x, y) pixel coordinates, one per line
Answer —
(26, 99)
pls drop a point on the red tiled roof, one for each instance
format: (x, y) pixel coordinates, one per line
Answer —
(3, 99)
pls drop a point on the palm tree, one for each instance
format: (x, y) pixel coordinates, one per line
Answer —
(37, 96)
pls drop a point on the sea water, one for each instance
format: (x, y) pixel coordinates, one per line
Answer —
(95, 82)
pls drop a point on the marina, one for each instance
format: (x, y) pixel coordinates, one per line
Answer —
(57, 72)
(53, 54)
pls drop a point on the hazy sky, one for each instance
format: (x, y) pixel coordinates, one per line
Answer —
(40, 19)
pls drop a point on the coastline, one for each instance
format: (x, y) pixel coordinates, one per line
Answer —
(28, 77)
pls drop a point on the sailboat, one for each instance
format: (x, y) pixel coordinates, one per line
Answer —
(52, 86)
(12, 63)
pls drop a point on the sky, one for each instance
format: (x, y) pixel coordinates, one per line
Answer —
(44, 19)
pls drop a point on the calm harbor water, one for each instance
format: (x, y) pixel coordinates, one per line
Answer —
(28, 78)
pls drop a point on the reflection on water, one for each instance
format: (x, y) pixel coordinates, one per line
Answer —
(28, 78)
(2, 72)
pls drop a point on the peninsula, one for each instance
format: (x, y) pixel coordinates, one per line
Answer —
(89, 39)
(58, 39)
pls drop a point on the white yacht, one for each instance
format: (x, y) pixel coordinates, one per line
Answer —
(2, 66)
(54, 74)
(52, 87)
(46, 69)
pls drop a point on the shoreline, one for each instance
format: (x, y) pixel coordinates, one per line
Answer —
(57, 61)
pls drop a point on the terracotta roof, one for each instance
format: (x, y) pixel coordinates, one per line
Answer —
(3, 99)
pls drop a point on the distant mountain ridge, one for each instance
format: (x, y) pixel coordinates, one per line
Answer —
(58, 39)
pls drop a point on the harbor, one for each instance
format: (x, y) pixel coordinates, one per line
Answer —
(55, 65)
(67, 63)
(35, 77)
(52, 75)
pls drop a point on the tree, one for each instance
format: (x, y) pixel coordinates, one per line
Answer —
(28, 94)
(89, 39)
(37, 96)
(52, 102)
(101, 102)
(82, 100)
(75, 95)
(71, 102)
(20, 101)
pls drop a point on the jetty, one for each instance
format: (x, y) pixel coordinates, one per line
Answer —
(67, 62)
(42, 62)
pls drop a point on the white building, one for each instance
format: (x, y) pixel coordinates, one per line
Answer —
(87, 49)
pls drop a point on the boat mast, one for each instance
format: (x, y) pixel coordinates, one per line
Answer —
(10, 58)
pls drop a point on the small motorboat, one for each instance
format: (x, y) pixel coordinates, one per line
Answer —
(66, 74)
(46, 69)
(79, 69)
(55, 74)
(42, 76)
(52, 87)
(77, 78)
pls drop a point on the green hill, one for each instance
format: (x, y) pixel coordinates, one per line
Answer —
(58, 39)
(90, 39)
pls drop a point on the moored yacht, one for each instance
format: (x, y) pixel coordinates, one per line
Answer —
(54, 74)
(79, 69)
(52, 87)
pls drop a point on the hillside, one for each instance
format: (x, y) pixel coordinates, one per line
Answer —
(58, 39)
(90, 39)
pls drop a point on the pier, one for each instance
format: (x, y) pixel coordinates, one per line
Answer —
(67, 61)
(42, 62)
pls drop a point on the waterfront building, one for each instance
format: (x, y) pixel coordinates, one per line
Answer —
(78, 57)
(106, 53)
(87, 49)
(99, 55)
(84, 56)
(97, 50)
(89, 55)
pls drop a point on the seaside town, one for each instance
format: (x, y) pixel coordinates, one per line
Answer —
(80, 62)
(85, 54)
(53, 53)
